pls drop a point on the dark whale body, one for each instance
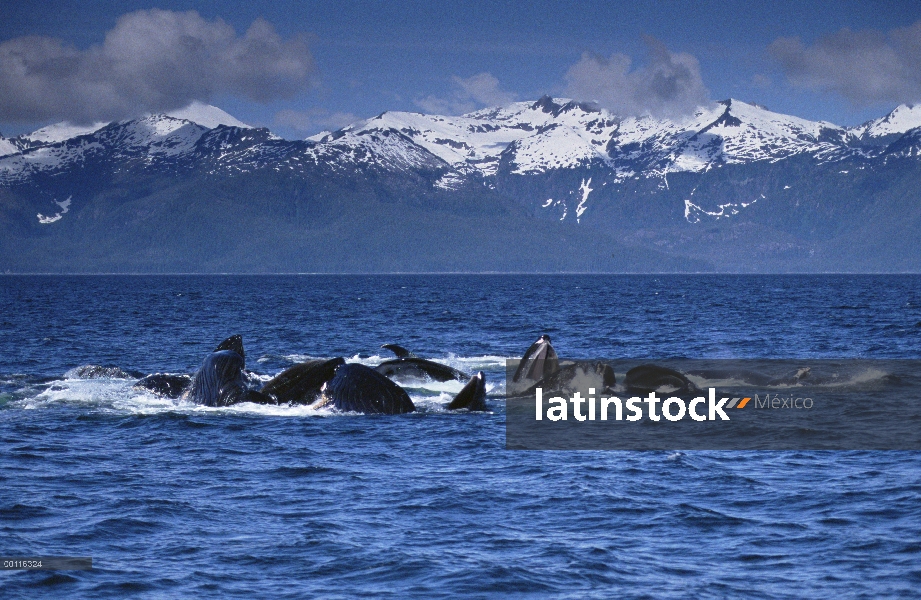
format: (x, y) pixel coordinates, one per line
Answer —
(357, 388)
(419, 368)
(221, 382)
(99, 372)
(408, 365)
(473, 396)
(235, 343)
(302, 383)
(648, 378)
(221, 379)
(165, 384)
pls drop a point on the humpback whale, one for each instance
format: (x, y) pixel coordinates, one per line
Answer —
(801, 375)
(357, 388)
(302, 383)
(540, 367)
(165, 384)
(473, 396)
(222, 381)
(539, 361)
(235, 343)
(407, 364)
(174, 386)
(654, 378)
(577, 375)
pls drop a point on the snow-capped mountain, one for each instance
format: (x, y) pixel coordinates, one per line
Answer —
(207, 116)
(199, 113)
(524, 138)
(58, 132)
(804, 189)
(888, 128)
(560, 134)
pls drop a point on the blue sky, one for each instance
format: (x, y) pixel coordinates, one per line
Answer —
(330, 62)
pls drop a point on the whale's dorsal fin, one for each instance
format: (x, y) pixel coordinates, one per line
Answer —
(400, 351)
(235, 343)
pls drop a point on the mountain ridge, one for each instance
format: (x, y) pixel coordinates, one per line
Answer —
(601, 191)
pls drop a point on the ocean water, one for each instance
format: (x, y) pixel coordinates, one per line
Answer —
(175, 500)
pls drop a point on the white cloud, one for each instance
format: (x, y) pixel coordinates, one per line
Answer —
(152, 60)
(468, 94)
(864, 66)
(669, 85)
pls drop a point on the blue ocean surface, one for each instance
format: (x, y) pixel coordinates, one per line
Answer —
(175, 500)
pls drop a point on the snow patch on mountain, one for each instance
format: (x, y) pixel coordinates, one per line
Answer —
(385, 148)
(586, 190)
(694, 213)
(7, 147)
(65, 208)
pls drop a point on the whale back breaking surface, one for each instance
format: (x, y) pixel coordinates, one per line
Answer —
(419, 368)
(219, 381)
(645, 379)
(357, 388)
(165, 384)
(302, 383)
(473, 396)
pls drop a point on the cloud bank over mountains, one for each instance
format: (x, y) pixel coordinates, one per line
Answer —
(866, 66)
(482, 89)
(152, 60)
(156, 61)
(669, 86)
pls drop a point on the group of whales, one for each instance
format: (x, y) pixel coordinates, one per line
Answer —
(540, 367)
(222, 380)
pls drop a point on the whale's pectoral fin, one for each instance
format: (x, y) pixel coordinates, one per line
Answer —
(473, 396)
(302, 383)
(235, 343)
(400, 351)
